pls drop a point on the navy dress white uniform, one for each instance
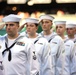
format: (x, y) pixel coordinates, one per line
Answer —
(18, 56)
(43, 49)
(69, 47)
(57, 48)
(73, 67)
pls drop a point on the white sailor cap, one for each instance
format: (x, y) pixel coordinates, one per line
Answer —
(31, 20)
(70, 24)
(60, 22)
(48, 17)
(11, 18)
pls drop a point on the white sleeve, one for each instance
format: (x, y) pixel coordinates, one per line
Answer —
(47, 60)
(33, 60)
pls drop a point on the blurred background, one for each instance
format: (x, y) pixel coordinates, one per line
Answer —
(60, 9)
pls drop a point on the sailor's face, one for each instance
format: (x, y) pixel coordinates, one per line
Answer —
(60, 29)
(70, 31)
(31, 28)
(46, 24)
(12, 28)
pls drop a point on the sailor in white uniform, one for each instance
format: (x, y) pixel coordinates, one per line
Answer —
(70, 30)
(42, 46)
(56, 43)
(69, 46)
(17, 50)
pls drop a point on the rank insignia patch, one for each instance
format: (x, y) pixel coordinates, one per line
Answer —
(40, 43)
(54, 42)
(20, 43)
